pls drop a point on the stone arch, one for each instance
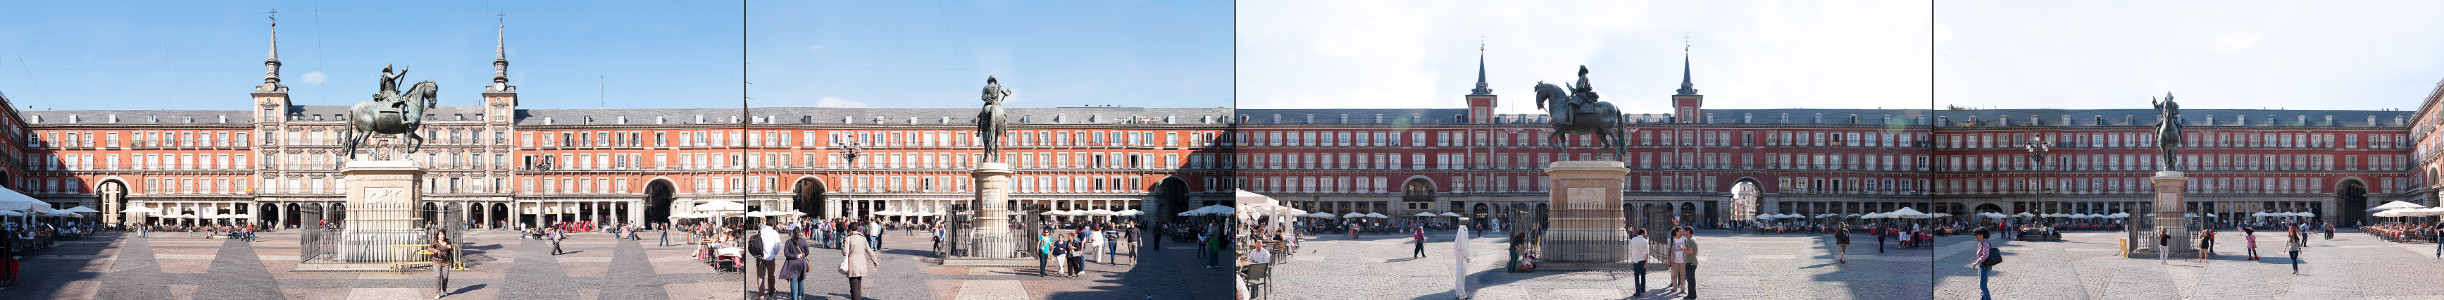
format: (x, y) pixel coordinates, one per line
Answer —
(111, 192)
(2352, 196)
(659, 196)
(807, 195)
(1172, 196)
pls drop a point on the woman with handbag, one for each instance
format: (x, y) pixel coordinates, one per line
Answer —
(857, 261)
(794, 270)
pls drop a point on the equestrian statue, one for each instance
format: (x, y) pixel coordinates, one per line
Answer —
(1576, 110)
(993, 122)
(391, 111)
(2168, 131)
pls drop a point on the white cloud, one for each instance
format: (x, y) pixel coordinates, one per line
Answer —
(837, 102)
(814, 48)
(312, 78)
(2236, 41)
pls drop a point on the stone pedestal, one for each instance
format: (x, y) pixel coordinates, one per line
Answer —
(2169, 189)
(992, 235)
(1586, 220)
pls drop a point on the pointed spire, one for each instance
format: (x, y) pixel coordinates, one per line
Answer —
(1482, 88)
(271, 62)
(500, 57)
(1686, 88)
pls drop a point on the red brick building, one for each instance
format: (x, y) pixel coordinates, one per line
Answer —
(277, 161)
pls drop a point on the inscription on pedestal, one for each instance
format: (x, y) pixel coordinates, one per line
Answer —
(1586, 198)
(386, 197)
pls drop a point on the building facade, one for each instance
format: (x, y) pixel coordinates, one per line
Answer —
(278, 161)
(2335, 164)
(1815, 161)
(1682, 164)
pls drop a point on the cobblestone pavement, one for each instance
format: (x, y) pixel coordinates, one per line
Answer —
(184, 266)
(1731, 266)
(114, 265)
(2084, 266)
(1174, 272)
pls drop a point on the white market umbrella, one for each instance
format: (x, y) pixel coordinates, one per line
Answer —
(1377, 215)
(2396, 205)
(81, 209)
(721, 205)
(1424, 214)
(2392, 213)
(1873, 216)
(2024, 214)
(1099, 212)
(12, 200)
(1354, 215)
(11, 213)
(1057, 212)
(2119, 215)
(1450, 214)
(1131, 212)
(1906, 212)
(1940, 215)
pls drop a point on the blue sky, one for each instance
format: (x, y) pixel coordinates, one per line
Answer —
(937, 53)
(1746, 54)
(2209, 54)
(209, 54)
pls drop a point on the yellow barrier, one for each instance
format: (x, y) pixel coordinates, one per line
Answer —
(2122, 245)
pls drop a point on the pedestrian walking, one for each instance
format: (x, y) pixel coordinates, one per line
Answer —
(1638, 251)
(1420, 239)
(1077, 256)
(8, 257)
(1213, 250)
(2206, 245)
(2439, 239)
(1880, 234)
(761, 245)
(440, 255)
(875, 232)
(665, 237)
(794, 270)
(2163, 249)
(1111, 244)
(554, 234)
(2297, 242)
(1673, 259)
(1987, 257)
(2250, 234)
(856, 261)
(1688, 241)
(1043, 255)
(1841, 244)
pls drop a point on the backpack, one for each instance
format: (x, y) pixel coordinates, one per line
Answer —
(1994, 256)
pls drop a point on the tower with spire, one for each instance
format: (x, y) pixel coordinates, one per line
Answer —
(1687, 105)
(1481, 100)
(271, 97)
(500, 98)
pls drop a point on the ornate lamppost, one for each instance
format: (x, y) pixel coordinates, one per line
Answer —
(2040, 154)
(850, 152)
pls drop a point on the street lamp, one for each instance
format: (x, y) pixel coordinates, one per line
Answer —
(2040, 152)
(850, 152)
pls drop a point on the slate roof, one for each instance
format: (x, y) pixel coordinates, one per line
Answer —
(136, 117)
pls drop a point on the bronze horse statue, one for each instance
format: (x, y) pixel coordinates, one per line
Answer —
(390, 112)
(992, 123)
(2168, 131)
(1576, 115)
